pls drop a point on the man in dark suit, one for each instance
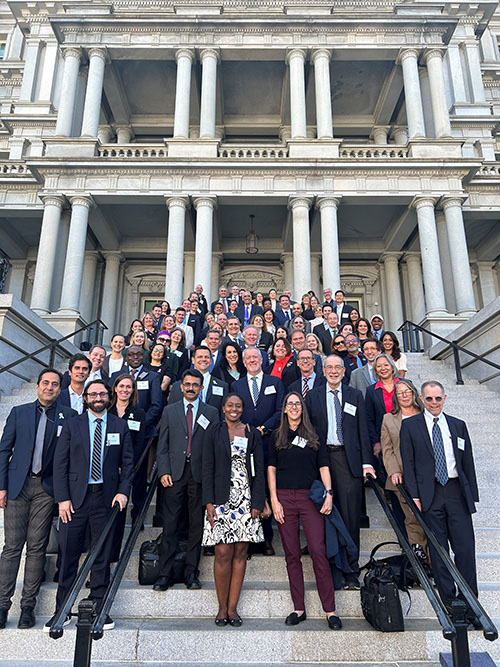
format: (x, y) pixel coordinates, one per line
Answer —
(298, 342)
(340, 307)
(247, 310)
(222, 300)
(183, 430)
(93, 470)
(235, 295)
(202, 301)
(26, 491)
(284, 315)
(326, 331)
(327, 297)
(79, 369)
(309, 379)
(250, 339)
(363, 377)
(97, 356)
(439, 473)
(338, 414)
(233, 332)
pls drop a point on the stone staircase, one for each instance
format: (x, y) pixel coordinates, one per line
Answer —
(176, 627)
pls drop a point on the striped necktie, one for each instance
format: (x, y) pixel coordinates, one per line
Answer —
(305, 387)
(338, 415)
(96, 470)
(439, 455)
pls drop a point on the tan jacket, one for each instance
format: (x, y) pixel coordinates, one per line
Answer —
(391, 425)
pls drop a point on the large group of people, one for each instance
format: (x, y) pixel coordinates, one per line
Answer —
(250, 403)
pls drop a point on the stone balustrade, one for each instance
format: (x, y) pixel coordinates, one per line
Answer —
(492, 169)
(133, 152)
(253, 152)
(373, 152)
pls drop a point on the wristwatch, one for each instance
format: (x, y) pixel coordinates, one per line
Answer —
(330, 492)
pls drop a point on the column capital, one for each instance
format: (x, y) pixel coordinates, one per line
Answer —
(433, 52)
(54, 200)
(447, 202)
(295, 202)
(321, 53)
(396, 256)
(92, 255)
(411, 256)
(209, 200)
(176, 201)
(82, 200)
(18, 263)
(210, 53)
(112, 255)
(419, 202)
(323, 202)
(295, 52)
(380, 132)
(407, 52)
(98, 52)
(185, 53)
(73, 51)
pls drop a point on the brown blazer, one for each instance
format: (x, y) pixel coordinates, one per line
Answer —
(391, 426)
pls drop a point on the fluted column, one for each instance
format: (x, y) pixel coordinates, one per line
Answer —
(393, 289)
(440, 113)
(64, 123)
(73, 267)
(216, 262)
(315, 273)
(431, 264)
(109, 293)
(413, 94)
(209, 59)
(184, 58)
(175, 249)
(296, 59)
(459, 256)
(205, 207)
(93, 96)
(301, 245)
(330, 242)
(321, 61)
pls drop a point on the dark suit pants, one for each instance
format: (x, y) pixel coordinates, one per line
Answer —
(347, 496)
(450, 519)
(27, 520)
(173, 498)
(94, 513)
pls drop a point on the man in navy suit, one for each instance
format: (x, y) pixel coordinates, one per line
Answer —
(309, 379)
(247, 310)
(202, 301)
(326, 331)
(26, 491)
(340, 307)
(93, 470)
(337, 412)
(223, 300)
(250, 338)
(439, 473)
(284, 315)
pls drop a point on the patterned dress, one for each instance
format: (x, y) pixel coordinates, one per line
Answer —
(233, 521)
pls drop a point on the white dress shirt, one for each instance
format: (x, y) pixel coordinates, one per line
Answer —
(332, 436)
(451, 463)
(259, 378)
(76, 400)
(206, 382)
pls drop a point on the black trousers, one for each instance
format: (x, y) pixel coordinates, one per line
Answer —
(173, 503)
(450, 520)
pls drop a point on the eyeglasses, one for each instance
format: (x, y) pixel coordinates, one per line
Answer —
(351, 341)
(293, 404)
(403, 393)
(163, 340)
(429, 399)
(95, 394)
(339, 342)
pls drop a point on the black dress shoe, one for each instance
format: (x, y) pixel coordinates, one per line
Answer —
(3, 618)
(295, 619)
(192, 582)
(209, 551)
(161, 584)
(27, 619)
(334, 622)
(351, 583)
(268, 549)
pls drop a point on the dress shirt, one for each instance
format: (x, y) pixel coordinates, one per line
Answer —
(76, 400)
(250, 382)
(115, 365)
(338, 310)
(451, 463)
(195, 405)
(332, 437)
(92, 425)
(134, 372)
(288, 314)
(94, 375)
(206, 381)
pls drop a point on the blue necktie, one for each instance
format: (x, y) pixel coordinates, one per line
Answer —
(439, 455)
(246, 315)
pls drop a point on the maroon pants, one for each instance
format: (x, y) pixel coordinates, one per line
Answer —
(296, 507)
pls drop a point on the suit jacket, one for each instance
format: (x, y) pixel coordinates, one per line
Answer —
(354, 427)
(223, 301)
(72, 461)
(240, 312)
(64, 399)
(389, 439)
(150, 396)
(202, 305)
(417, 455)
(289, 374)
(216, 478)
(135, 418)
(351, 365)
(18, 443)
(280, 318)
(211, 398)
(173, 440)
(345, 313)
(265, 341)
(267, 412)
(360, 379)
(375, 411)
(194, 321)
(319, 381)
(325, 337)
(263, 354)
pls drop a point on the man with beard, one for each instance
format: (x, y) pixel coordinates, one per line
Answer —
(93, 470)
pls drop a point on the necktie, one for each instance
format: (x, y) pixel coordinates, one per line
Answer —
(36, 464)
(96, 469)
(338, 415)
(255, 390)
(133, 372)
(287, 315)
(189, 423)
(247, 315)
(305, 388)
(439, 456)
(212, 363)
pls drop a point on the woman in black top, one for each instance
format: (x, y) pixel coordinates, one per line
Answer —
(178, 347)
(157, 364)
(233, 489)
(230, 368)
(296, 459)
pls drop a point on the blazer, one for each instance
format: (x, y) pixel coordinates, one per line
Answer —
(391, 454)
(354, 427)
(375, 411)
(280, 318)
(72, 461)
(216, 475)
(182, 360)
(224, 375)
(325, 337)
(417, 455)
(263, 354)
(319, 381)
(220, 300)
(135, 418)
(202, 304)
(240, 312)
(64, 399)
(173, 440)
(194, 321)
(18, 443)
(289, 374)
(211, 398)
(267, 412)
(360, 379)
(345, 313)
(150, 396)
(105, 366)
(265, 340)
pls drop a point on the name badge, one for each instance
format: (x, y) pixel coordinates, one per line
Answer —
(270, 390)
(59, 429)
(461, 443)
(178, 353)
(113, 439)
(203, 422)
(240, 442)
(133, 425)
(143, 384)
(350, 409)
(217, 391)
(299, 442)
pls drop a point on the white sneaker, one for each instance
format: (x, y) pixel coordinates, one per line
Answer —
(50, 623)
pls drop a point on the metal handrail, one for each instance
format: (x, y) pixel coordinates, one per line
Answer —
(407, 327)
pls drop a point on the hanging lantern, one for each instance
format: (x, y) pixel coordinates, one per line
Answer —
(251, 239)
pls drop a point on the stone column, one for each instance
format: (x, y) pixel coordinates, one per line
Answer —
(203, 245)
(416, 290)
(188, 285)
(440, 114)
(14, 45)
(110, 293)
(413, 95)
(471, 48)
(46, 256)
(444, 254)
(431, 264)
(400, 135)
(296, 59)
(175, 249)
(456, 74)
(64, 123)
(17, 277)
(321, 61)
(73, 267)
(104, 134)
(185, 59)
(379, 135)
(459, 256)
(209, 59)
(287, 259)
(88, 289)
(301, 245)
(62, 246)
(489, 46)
(216, 262)
(93, 96)
(123, 134)
(315, 274)
(393, 288)
(330, 242)
(486, 282)
(31, 56)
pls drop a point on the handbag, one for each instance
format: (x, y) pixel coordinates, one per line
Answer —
(400, 566)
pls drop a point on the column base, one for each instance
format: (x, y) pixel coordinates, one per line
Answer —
(59, 146)
(468, 109)
(441, 324)
(65, 322)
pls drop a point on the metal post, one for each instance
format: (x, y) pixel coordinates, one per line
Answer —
(460, 643)
(405, 338)
(83, 645)
(458, 368)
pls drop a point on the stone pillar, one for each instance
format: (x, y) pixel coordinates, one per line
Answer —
(330, 242)
(93, 96)
(489, 46)
(209, 59)
(459, 256)
(62, 246)
(216, 262)
(287, 260)
(46, 256)
(104, 133)
(416, 290)
(321, 61)
(486, 282)
(31, 56)
(431, 264)
(440, 114)
(14, 45)
(394, 306)
(471, 48)
(400, 135)
(301, 245)
(73, 267)
(17, 277)
(49, 71)
(444, 254)
(456, 74)
(184, 58)
(175, 249)
(413, 95)
(64, 123)
(315, 274)
(296, 59)
(123, 134)
(188, 273)
(88, 289)
(203, 245)
(379, 135)
(109, 293)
